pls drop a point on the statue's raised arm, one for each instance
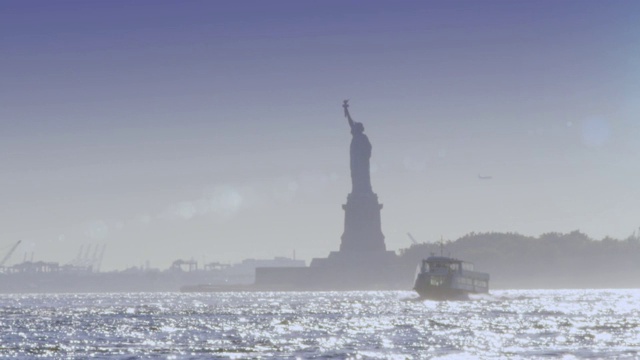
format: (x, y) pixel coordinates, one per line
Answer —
(345, 106)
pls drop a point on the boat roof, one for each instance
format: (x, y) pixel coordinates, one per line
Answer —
(442, 259)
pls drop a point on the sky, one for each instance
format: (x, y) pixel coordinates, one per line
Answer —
(213, 130)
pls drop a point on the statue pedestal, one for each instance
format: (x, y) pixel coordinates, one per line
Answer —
(362, 228)
(363, 263)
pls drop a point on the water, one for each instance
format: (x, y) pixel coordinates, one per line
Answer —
(505, 324)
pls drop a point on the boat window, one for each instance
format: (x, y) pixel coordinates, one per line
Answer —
(425, 267)
(439, 266)
(467, 266)
(481, 283)
(437, 280)
(454, 267)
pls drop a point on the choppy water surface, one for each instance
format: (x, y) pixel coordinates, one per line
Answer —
(506, 324)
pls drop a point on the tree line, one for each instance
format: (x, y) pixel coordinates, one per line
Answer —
(551, 260)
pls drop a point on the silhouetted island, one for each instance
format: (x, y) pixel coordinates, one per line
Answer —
(552, 260)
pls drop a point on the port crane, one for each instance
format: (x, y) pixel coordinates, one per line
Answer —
(8, 255)
(413, 240)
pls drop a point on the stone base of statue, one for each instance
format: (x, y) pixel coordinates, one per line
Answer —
(364, 270)
(362, 228)
(363, 263)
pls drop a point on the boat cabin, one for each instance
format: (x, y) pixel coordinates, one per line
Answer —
(441, 264)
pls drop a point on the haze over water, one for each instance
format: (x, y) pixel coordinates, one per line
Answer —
(214, 130)
(514, 324)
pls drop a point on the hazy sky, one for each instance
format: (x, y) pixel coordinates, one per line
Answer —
(214, 130)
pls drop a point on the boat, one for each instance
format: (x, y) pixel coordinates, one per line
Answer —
(445, 278)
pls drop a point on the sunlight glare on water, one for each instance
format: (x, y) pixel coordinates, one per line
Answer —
(506, 324)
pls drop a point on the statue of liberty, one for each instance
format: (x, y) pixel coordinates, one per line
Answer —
(360, 152)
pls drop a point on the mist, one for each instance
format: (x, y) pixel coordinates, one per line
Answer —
(214, 131)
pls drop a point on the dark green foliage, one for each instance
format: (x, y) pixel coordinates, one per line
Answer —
(552, 260)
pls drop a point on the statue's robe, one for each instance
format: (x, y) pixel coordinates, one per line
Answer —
(360, 152)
